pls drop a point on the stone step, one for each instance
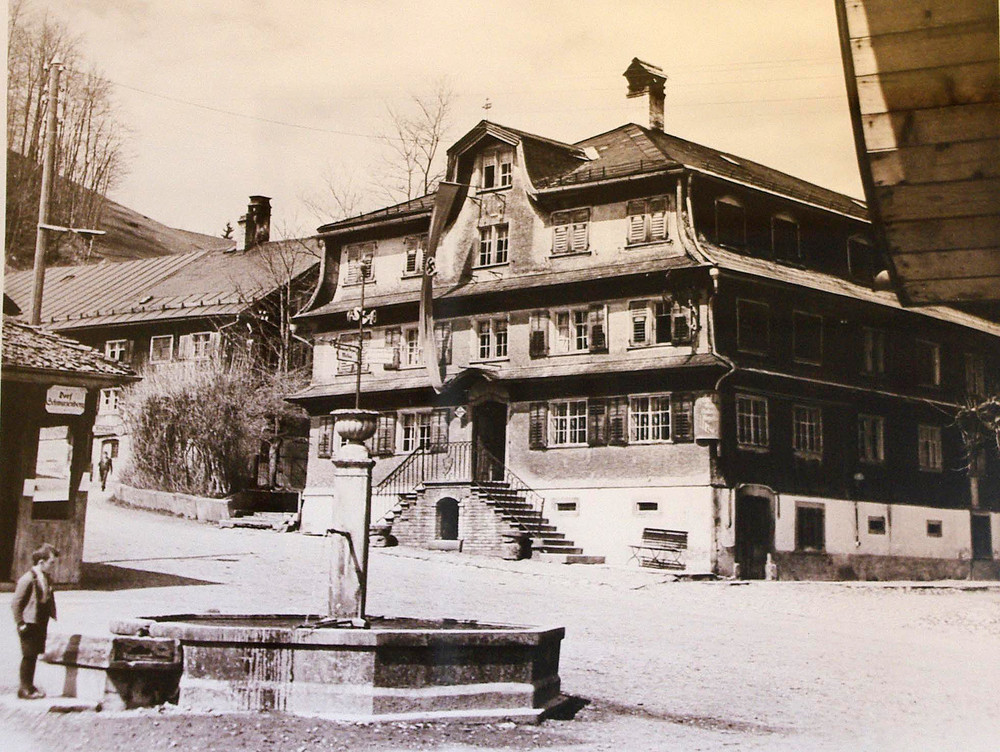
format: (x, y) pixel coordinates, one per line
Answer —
(545, 552)
(563, 558)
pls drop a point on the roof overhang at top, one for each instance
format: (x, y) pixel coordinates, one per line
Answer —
(923, 83)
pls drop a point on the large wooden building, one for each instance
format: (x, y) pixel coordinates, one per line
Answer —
(638, 332)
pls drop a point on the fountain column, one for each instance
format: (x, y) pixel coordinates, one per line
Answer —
(351, 515)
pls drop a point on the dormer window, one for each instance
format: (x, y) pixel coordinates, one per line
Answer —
(730, 222)
(359, 261)
(415, 246)
(785, 238)
(497, 168)
(647, 220)
(570, 231)
(860, 260)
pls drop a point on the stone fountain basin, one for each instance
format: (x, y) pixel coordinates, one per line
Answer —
(396, 669)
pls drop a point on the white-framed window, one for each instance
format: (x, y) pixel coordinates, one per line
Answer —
(568, 423)
(975, 375)
(491, 339)
(572, 329)
(785, 238)
(161, 348)
(411, 355)
(807, 431)
(415, 430)
(730, 222)
(497, 168)
(929, 456)
(928, 363)
(109, 400)
(810, 526)
(649, 418)
(201, 345)
(658, 322)
(570, 231)
(751, 422)
(359, 258)
(647, 220)
(807, 338)
(116, 349)
(873, 355)
(753, 326)
(416, 246)
(494, 245)
(871, 439)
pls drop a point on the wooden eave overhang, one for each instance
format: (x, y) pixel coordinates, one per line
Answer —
(26, 374)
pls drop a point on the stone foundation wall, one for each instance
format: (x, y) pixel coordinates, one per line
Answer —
(815, 566)
(199, 508)
(480, 528)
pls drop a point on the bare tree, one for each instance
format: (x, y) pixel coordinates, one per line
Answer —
(91, 137)
(413, 138)
(339, 198)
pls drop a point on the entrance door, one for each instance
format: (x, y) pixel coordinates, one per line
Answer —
(754, 535)
(489, 432)
(982, 537)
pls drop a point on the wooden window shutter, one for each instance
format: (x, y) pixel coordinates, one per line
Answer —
(439, 429)
(682, 417)
(598, 333)
(412, 254)
(538, 428)
(560, 234)
(618, 421)
(353, 256)
(680, 325)
(392, 339)
(127, 356)
(538, 346)
(185, 347)
(581, 221)
(657, 219)
(639, 313)
(597, 419)
(636, 211)
(442, 337)
(385, 442)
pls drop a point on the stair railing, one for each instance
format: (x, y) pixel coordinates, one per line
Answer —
(489, 467)
(441, 462)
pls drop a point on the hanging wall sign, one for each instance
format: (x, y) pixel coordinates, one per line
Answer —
(66, 400)
(706, 419)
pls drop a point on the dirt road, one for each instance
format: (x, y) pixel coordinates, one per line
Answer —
(661, 665)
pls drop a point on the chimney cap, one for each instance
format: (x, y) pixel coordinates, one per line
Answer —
(258, 199)
(641, 75)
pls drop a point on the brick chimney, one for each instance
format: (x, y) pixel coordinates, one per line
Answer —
(255, 225)
(645, 94)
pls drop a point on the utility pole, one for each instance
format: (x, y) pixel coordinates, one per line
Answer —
(48, 167)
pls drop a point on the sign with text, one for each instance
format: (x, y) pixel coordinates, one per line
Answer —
(65, 400)
(706, 419)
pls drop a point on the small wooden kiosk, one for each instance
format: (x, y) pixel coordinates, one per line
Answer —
(48, 402)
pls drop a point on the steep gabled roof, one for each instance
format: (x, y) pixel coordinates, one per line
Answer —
(31, 349)
(191, 285)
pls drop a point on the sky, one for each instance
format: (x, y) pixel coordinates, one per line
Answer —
(198, 81)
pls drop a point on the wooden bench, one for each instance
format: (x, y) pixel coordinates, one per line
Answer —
(663, 549)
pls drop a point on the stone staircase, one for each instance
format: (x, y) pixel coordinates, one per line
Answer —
(512, 507)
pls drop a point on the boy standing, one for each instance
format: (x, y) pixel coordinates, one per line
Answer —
(34, 604)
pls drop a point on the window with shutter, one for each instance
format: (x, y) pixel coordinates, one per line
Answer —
(681, 331)
(570, 230)
(392, 346)
(385, 435)
(538, 345)
(636, 221)
(618, 421)
(581, 224)
(442, 337)
(682, 408)
(597, 416)
(538, 422)
(647, 220)
(354, 255)
(639, 311)
(598, 330)
(415, 245)
(439, 429)
(657, 218)
(324, 447)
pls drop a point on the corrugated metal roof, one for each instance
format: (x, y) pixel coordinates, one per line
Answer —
(204, 283)
(31, 348)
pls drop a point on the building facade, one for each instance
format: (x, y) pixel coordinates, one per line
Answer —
(637, 332)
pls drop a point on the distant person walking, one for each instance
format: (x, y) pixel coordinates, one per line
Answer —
(34, 604)
(104, 468)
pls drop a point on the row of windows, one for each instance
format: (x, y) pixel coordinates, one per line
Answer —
(785, 238)
(646, 223)
(810, 526)
(196, 346)
(617, 421)
(753, 434)
(401, 432)
(753, 335)
(558, 331)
